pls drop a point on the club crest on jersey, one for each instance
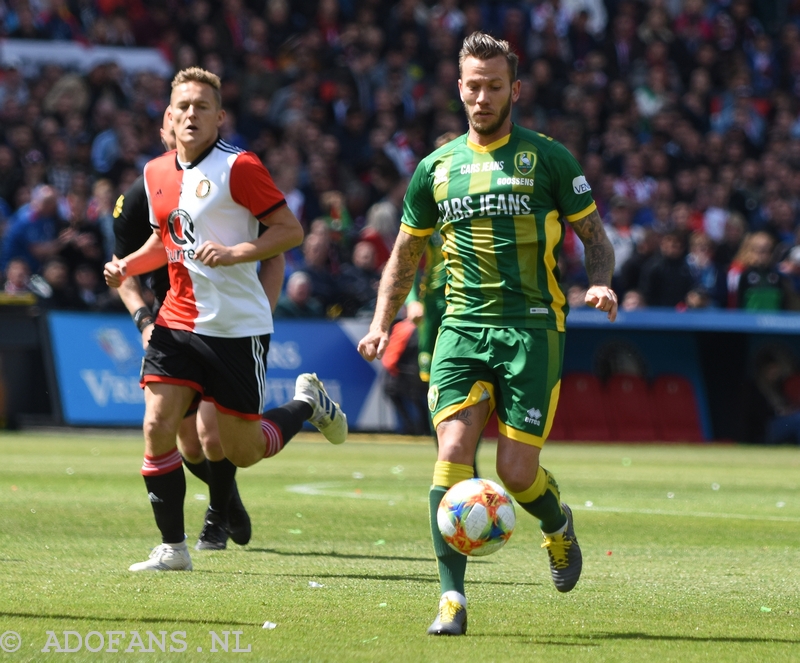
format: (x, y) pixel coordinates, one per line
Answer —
(203, 189)
(181, 227)
(524, 162)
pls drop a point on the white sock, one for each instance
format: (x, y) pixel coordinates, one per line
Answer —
(558, 531)
(455, 596)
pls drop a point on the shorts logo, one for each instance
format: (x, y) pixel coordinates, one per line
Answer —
(433, 397)
(181, 227)
(580, 185)
(524, 162)
(534, 417)
(203, 189)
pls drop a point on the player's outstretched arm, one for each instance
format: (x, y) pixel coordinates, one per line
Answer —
(396, 281)
(599, 263)
(284, 232)
(151, 256)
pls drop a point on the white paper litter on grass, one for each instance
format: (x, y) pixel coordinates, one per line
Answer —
(269, 625)
(311, 583)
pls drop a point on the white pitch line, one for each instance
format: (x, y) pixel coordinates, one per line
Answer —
(324, 490)
(687, 514)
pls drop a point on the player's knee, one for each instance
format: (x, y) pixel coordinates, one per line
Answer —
(159, 429)
(243, 457)
(190, 447)
(212, 448)
(516, 477)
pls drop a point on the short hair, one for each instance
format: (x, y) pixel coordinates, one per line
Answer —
(199, 75)
(481, 46)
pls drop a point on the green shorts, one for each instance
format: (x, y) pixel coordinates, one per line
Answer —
(517, 370)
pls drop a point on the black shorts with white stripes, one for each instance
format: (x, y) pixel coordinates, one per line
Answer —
(230, 372)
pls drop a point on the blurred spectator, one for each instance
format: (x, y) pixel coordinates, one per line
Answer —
(768, 415)
(716, 215)
(666, 278)
(358, 282)
(735, 228)
(633, 301)
(402, 384)
(33, 231)
(297, 301)
(381, 230)
(100, 211)
(634, 185)
(701, 264)
(761, 286)
(88, 285)
(81, 241)
(12, 84)
(316, 265)
(576, 294)
(10, 175)
(18, 277)
(621, 231)
(61, 293)
(630, 276)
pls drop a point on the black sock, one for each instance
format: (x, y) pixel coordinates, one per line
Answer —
(220, 486)
(166, 493)
(290, 418)
(200, 470)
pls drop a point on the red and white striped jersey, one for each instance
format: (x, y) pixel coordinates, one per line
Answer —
(220, 197)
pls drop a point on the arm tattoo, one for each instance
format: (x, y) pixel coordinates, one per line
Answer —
(398, 277)
(597, 247)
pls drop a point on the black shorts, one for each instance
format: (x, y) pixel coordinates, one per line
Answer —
(230, 372)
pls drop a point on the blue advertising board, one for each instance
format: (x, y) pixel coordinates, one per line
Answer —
(97, 359)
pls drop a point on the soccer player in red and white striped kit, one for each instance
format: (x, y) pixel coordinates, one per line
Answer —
(212, 333)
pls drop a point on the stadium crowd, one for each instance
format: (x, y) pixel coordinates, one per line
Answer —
(683, 114)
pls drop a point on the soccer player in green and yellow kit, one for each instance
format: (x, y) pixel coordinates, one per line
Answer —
(502, 194)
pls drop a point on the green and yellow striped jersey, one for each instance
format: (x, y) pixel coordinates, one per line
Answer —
(500, 209)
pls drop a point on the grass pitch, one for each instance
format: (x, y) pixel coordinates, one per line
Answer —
(690, 553)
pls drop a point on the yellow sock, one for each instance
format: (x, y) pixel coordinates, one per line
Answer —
(448, 474)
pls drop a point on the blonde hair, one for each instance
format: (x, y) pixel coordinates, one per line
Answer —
(199, 75)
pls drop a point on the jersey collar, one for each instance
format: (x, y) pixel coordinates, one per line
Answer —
(491, 146)
(202, 155)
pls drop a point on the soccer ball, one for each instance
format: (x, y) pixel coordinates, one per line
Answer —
(476, 517)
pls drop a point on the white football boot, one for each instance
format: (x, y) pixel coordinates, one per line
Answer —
(328, 416)
(166, 557)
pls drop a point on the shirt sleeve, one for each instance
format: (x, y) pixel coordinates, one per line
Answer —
(252, 186)
(420, 211)
(131, 220)
(571, 191)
